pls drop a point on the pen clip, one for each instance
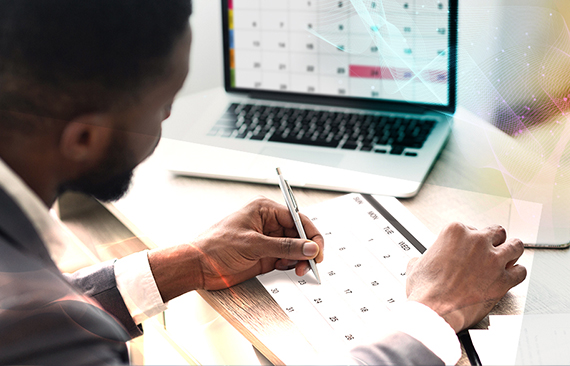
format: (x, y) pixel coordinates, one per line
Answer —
(290, 191)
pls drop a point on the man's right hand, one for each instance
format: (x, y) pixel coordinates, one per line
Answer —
(465, 273)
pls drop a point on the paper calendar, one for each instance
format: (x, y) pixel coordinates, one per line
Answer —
(363, 275)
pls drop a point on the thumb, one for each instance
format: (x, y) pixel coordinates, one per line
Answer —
(288, 248)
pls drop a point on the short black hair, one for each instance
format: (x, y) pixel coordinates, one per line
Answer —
(61, 58)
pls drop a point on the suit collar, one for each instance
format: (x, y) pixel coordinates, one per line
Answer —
(31, 208)
(17, 229)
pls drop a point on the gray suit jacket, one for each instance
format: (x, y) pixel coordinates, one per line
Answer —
(50, 318)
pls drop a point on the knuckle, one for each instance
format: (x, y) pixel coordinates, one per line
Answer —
(411, 264)
(497, 227)
(515, 246)
(258, 200)
(454, 227)
(286, 246)
(501, 231)
(518, 245)
(318, 238)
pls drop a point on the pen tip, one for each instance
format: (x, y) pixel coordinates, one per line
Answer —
(278, 170)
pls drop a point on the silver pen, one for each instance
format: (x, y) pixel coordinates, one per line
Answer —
(294, 210)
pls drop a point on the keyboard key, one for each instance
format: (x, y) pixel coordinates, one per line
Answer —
(397, 150)
(259, 136)
(223, 122)
(350, 145)
(324, 128)
(384, 140)
(303, 141)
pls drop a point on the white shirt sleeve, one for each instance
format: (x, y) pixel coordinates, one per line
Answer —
(138, 287)
(425, 325)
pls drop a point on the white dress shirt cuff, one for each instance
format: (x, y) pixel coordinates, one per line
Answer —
(425, 325)
(138, 287)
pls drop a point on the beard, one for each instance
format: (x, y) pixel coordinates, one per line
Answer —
(111, 179)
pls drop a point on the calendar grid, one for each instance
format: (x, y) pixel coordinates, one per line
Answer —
(363, 276)
(327, 47)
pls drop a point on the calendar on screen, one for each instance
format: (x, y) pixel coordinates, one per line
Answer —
(363, 275)
(386, 50)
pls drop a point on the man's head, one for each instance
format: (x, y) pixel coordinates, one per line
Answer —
(91, 80)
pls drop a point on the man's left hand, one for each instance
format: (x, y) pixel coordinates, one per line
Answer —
(257, 239)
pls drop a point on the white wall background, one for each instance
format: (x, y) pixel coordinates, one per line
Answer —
(206, 60)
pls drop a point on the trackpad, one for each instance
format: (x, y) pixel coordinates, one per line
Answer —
(307, 156)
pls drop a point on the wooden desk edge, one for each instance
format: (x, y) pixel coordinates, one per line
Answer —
(256, 315)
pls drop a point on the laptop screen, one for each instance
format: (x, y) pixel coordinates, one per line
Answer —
(393, 50)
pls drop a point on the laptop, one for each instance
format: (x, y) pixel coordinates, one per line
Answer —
(352, 96)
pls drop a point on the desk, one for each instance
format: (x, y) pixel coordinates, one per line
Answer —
(163, 210)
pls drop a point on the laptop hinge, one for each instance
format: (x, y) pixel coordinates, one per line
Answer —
(384, 106)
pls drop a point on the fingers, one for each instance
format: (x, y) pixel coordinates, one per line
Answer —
(291, 253)
(511, 250)
(285, 221)
(302, 268)
(285, 248)
(509, 253)
(285, 264)
(517, 274)
(314, 235)
(496, 234)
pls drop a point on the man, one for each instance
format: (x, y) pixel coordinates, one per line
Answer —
(84, 87)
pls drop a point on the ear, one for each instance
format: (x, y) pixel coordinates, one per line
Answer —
(85, 140)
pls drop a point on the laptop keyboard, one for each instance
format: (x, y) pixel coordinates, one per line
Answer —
(351, 131)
